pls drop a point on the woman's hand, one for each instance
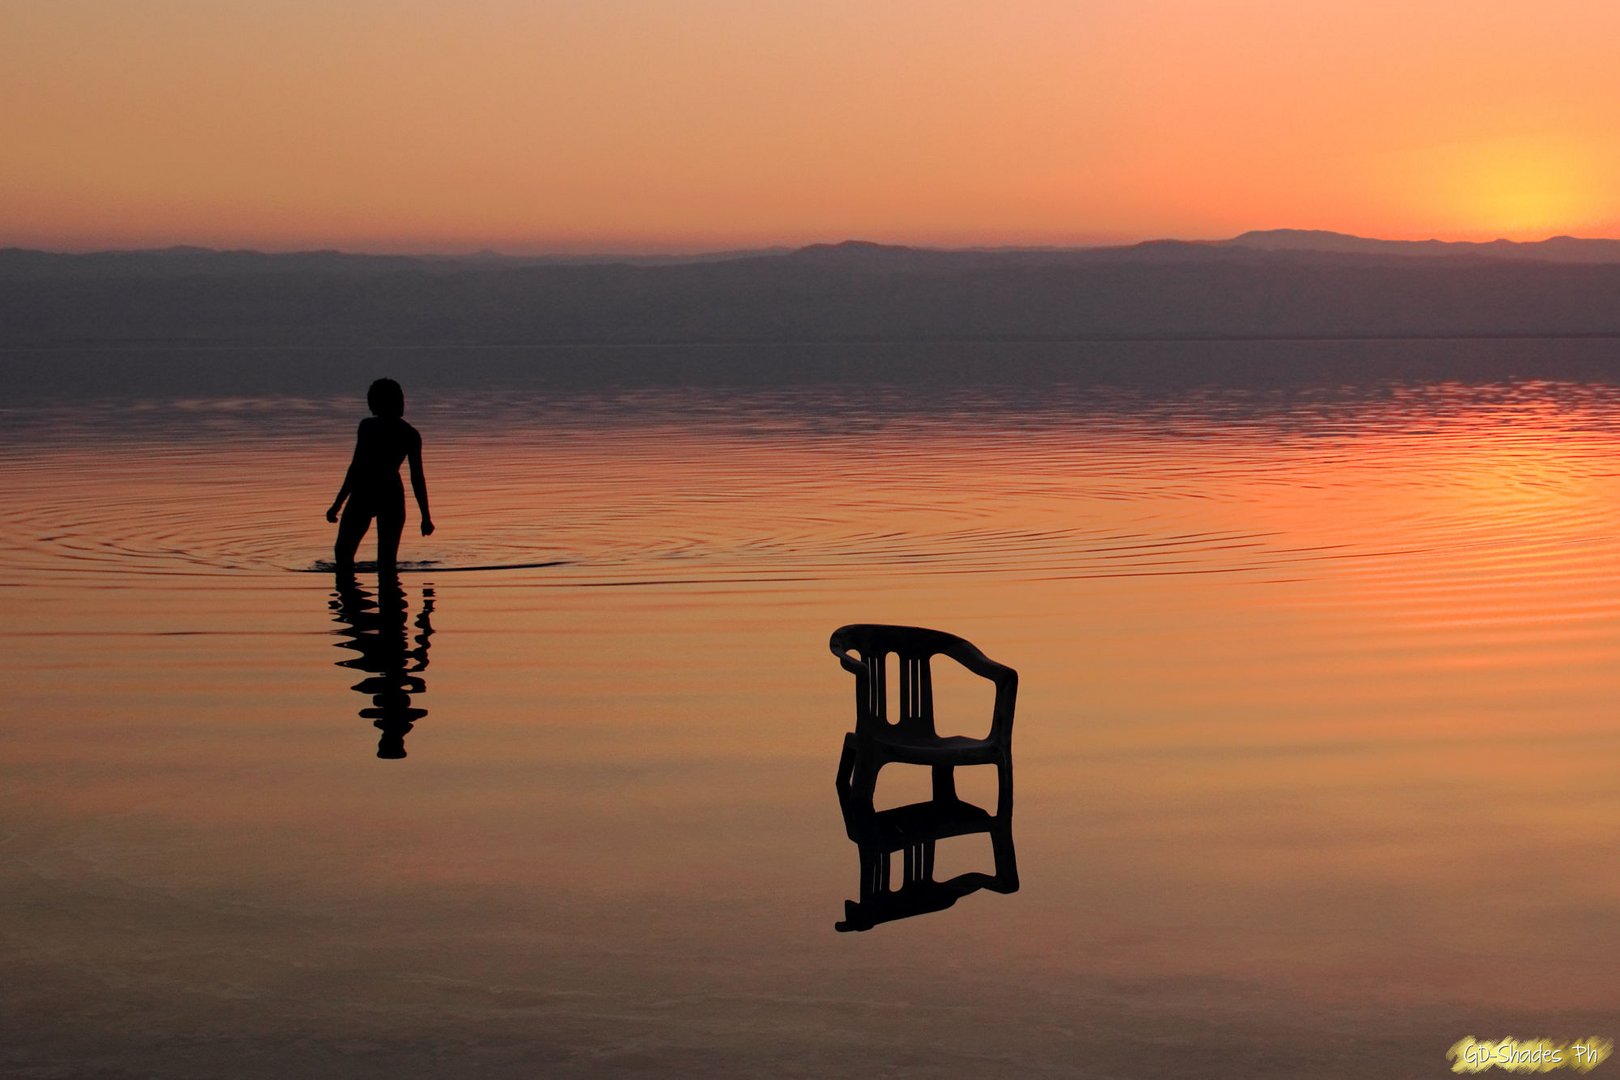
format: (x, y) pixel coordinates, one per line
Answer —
(331, 515)
(427, 526)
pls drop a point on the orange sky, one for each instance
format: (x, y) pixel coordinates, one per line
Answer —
(576, 125)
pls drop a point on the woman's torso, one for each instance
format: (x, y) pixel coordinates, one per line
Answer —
(382, 446)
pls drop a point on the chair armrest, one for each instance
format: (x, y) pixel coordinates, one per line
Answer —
(1001, 720)
(840, 649)
(969, 656)
(1005, 679)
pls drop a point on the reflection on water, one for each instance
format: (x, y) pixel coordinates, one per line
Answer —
(1317, 739)
(827, 484)
(377, 626)
(914, 832)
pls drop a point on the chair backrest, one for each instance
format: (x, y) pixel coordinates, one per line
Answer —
(914, 646)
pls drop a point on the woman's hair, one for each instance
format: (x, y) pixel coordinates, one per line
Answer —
(386, 398)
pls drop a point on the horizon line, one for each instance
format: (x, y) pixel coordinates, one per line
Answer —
(768, 247)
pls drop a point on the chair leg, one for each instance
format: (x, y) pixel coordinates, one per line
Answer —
(1004, 788)
(944, 783)
(863, 783)
(846, 765)
(1001, 847)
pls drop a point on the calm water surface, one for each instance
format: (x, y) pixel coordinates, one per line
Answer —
(1316, 744)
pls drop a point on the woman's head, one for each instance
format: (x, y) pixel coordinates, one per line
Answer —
(386, 398)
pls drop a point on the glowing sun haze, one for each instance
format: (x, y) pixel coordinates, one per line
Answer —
(577, 125)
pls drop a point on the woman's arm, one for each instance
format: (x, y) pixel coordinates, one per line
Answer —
(419, 485)
(348, 477)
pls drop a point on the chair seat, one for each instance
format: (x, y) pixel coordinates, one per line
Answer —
(915, 823)
(951, 749)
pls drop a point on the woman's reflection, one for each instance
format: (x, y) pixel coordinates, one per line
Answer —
(377, 627)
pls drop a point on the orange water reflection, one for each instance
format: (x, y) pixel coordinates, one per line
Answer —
(1314, 737)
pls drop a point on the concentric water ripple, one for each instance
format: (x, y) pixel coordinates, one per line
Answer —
(648, 487)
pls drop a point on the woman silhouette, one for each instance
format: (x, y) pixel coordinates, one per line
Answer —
(372, 485)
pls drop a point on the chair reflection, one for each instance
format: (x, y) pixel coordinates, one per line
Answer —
(378, 628)
(915, 830)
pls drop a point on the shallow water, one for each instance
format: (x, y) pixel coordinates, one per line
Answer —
(1314, 748)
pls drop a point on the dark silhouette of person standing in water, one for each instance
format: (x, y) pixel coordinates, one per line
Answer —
(372, 485)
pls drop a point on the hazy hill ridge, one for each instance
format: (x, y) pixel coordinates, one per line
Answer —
(1553, 249)
(1279, 283)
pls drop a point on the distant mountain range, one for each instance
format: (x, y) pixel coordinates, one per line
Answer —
(1271, 284)
(1555, 249)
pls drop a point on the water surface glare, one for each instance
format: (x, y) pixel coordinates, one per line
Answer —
(1315, 742)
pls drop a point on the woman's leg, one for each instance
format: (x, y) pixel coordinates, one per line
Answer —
(390, 523)
(351, 529)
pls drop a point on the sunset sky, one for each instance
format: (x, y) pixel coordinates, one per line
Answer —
(657, 125)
